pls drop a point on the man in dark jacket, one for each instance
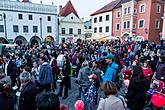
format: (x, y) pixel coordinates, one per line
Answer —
(28, 92)
(45, 75)
(65, 78)
(161, 69)
(10, 68)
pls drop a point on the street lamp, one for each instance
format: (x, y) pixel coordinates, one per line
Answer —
(4, 17)
(41, 28)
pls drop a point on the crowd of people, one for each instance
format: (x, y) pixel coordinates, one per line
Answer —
(130, 74)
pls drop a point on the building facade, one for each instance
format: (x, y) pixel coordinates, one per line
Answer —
(26, 22)
(136, 19)
(88, 28)
(163, 30)
(102, 21)
(71, 27)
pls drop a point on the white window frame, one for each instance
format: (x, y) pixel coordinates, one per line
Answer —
(117, 14)
(144, 8)
(135, 11)
(116, 26)
(158, 24)
(1, 17)
(126, 25)
(124, 11)
(128, 11)
(134, 26)
(159, 8)
(139, 23)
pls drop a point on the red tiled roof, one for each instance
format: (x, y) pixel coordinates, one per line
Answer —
(67, 9)
(106, 8)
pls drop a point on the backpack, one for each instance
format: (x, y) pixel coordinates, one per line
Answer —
(47, 101)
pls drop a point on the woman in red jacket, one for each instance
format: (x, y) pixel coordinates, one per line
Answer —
(147, 71)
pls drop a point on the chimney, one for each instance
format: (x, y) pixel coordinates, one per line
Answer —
(60, 8)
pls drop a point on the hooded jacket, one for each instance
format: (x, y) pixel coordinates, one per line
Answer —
(111, 72)
(45, 75)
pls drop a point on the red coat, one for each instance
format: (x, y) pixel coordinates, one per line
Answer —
(147, 73)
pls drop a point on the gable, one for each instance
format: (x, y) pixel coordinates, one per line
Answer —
(71, 18)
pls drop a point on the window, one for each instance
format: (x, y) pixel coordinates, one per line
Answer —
(142, 8)
(125, 10)
(135, 11)
(100, 29)
(117, 27)
(70, 30)
(95, 20)
(90, 27)
(30, 17)
(158, 8)
(20, 16)
(107, 29)
(85, 27)
(1, 28)
(79, 31)
(128, 24)
(35, 29)
(157, 24)
(49, 18)
(25, 29)
(63, 30)
(125, 25)
(118, 14)
(15, 28)
(134, 26)
(95, 30)
(107, 18)
(100, 19)
(71, 17)
(49, 29)
(129, 9)
(141, 23)
(1, 18)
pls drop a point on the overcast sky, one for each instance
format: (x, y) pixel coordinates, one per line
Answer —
(84, 7)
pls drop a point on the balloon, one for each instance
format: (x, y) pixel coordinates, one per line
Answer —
(79, 105)
(158, 100)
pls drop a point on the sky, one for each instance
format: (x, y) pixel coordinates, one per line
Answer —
(83, 7)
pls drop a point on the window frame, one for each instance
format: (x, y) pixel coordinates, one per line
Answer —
(117, 25)
(139, 23)
(49, 27)
(100, 19)
(156, 24)
(158, 11)
(107, 16)
(70, 32)
(63, 31)
(20, 16)
(30, 16)
(140, 8)
(25, 30)
(106, 27)
(2, 29)
(34, 27)
(15, 28)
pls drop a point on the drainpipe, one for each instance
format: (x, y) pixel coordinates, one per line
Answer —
(131, 22)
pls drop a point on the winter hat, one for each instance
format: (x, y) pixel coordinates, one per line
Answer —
(109, 56)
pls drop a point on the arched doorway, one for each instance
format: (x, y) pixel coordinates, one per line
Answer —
(35, 40)
(49, 39)
(20, 40)
(125, 37)
(3, 41)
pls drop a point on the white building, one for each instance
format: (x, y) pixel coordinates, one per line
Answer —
(22, 22)
(71, 27)
(102, 21)
(163, 31)
(88, 28)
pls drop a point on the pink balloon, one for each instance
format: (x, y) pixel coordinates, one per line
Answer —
(79, 105)
(158, 100)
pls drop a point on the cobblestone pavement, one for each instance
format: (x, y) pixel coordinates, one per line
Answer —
(72, 95)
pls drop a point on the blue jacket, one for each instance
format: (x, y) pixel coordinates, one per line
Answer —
(45, 74)
(111, 72)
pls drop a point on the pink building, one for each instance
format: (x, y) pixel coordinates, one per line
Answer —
(139, 20)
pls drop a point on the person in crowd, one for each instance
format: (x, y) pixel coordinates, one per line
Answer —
(152, 60)
(35, 73)
(28, 92)
(65, 78)
(83, 74)
(147, 71)
(112, 102)
(10, 68)
(91, 94)
(45, 75)
(137, 89)
(161, 69)
(7, 100)
(111, 72)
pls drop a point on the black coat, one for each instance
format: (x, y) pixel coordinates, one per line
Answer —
(136, 94)
(12, 69)
(6, 103)
(28, 96)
